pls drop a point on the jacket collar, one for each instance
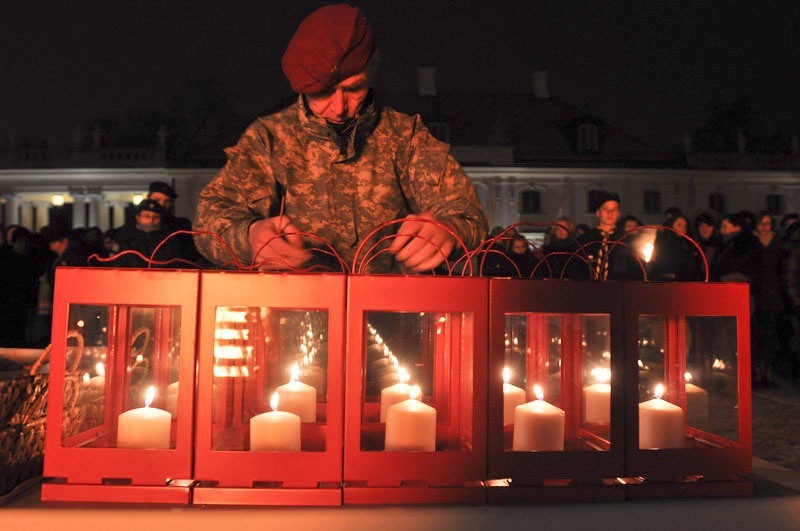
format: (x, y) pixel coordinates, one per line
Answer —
(350, 142)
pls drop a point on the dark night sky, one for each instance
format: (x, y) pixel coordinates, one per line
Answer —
(652, 67)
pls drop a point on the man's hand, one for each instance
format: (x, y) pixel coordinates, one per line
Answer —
(276, 252)
(421, 246)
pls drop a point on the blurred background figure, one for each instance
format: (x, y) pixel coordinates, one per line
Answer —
(734, 261)
(675, 257)
(768, 305)
(561, 239)
(707, 235)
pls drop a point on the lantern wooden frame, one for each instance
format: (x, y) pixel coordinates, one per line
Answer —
(241, 477)
(709, 465)
(459, 378)
(543, 475)
(87, 474)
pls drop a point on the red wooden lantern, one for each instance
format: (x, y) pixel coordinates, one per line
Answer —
(429, 333)
(120, 407)
(265, 336)
(563, 341)
(689, 401)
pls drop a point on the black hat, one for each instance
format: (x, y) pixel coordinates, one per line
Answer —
(54, 233)
(149, 205)
(162, 188)
(602, 197)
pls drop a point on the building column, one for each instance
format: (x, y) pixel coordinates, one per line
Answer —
(26, 216)
(119, 215)
(78, 211)
(42, 215)
(95, 204)
(12, 209)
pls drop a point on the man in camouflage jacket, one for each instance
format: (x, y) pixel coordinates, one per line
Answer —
(336, 165)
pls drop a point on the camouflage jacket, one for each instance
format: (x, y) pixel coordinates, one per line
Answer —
(338, 187)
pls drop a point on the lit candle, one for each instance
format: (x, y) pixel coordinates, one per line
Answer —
(98, 383)
(660, 423)
(144, 427)
(696, 400)
(275, 431)
(411, 426)
(513, 396)
(298, 398)
(395, 393)
(597, 397)
(538, 426)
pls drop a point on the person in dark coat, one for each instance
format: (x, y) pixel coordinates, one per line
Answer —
(790, 281)
(609, 261)
(143, 235)
(734, 261)
(18, 281)
(560, 239)
(707, 235)
(768, 305)
(674, 257)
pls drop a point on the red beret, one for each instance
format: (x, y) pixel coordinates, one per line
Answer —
(332, 43)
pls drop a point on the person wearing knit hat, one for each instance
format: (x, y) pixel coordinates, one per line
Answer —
(337, 165)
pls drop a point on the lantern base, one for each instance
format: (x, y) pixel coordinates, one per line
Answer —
(205, 495)
(177, 493)
(736, 487)
(501, 491)
(364, 495)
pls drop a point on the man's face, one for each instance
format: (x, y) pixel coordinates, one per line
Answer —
(164, 200)
(608, 214)
(148, 221)
(340, 103)
(681, 226)
(519, 246)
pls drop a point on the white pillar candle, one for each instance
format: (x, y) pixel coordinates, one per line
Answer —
(298, 398)
(275, 431)
(395, 393)
(661, 423)
(144, 427)
(410, 426)
(513, 396)
(696, 401)
(538, 426)
(597, 398)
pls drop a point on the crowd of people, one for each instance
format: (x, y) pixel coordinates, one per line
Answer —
(740, 247)
(28, 260)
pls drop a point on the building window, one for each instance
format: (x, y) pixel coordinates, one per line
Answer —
(588, 138)
(775, 204)
(716, 202)
(592, 197)
(441, 130)
(531, 202)
(652, 202)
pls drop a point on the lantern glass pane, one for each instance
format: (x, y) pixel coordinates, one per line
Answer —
(711, 380)
(568, 358)
(124, 390)
(428, 350)
(269, 359)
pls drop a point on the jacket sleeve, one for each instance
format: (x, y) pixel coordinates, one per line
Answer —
(240, 194)
(433, 181)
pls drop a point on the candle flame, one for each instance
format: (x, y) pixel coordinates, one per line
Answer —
(601, 375)
(139, 358)
(687, 376)
(506, 375)
(402, 375)
(659, 391)
(100, 368)
(538, 391)
(273, 402)
(647, 251)
(295, 373)
(415, 392)
(86, 377)
(149, 396)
